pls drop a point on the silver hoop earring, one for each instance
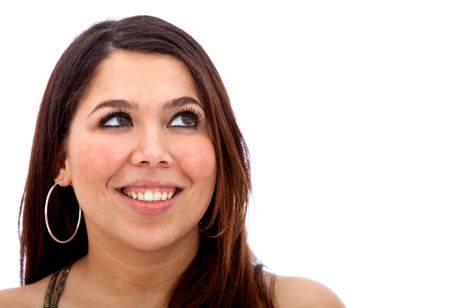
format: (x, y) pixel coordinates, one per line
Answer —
(46, 218)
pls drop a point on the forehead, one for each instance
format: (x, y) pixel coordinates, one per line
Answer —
(140, 77)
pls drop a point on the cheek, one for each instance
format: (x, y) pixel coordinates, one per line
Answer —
(197, 159)
(94, 160)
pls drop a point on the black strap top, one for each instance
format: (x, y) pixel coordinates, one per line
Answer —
(56, 287)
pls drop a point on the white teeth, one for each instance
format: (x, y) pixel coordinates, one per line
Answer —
(149, 196)
(157, 196)
(140, 196)
(164, 196)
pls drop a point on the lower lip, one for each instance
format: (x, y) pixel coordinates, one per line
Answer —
(150, 208)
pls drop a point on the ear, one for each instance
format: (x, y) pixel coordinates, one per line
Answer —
(64, 176)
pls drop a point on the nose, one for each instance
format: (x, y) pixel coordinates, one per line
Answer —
(151, 149)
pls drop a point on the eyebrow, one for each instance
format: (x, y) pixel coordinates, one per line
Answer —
(114, 103)
(124, 104)
(181, 101)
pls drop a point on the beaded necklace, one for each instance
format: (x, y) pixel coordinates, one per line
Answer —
(55, 287)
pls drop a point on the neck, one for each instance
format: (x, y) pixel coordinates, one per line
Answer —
(140, 276)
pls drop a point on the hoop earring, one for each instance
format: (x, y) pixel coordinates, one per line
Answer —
(46, 218)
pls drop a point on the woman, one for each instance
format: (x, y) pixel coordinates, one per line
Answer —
(138, 183)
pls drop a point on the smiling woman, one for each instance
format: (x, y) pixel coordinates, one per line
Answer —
(136, 137)
(126, 157)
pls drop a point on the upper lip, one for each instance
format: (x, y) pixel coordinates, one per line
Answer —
(151, 184)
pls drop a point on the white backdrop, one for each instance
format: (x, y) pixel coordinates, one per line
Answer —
(345, 108)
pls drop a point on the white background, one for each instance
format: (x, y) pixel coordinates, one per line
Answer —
(345, 108)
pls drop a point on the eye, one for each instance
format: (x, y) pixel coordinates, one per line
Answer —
(116, 119)
(187, 119)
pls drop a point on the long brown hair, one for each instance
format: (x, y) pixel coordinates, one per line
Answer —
(224, 273)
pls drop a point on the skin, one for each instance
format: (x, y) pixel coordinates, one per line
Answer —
(136, 254)
(298, 292)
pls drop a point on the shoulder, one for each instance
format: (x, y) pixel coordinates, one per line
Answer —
(31, 295)
(296, 292)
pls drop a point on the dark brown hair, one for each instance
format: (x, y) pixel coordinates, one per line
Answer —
(224, 273)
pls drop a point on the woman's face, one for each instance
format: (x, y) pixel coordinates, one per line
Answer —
(139, 154)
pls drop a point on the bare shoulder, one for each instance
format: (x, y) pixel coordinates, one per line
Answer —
(27, 296)
(296, 292)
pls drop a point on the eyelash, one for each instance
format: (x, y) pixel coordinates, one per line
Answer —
(197, 115)
(188, 111)
(113, 114)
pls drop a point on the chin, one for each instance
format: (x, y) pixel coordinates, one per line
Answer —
(160, 240)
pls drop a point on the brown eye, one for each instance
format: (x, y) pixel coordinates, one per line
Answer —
(116, 119)
(184, 119)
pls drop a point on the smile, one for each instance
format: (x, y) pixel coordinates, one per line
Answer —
(150, 195)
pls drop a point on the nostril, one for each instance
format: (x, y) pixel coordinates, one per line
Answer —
(149, 158)
(144, 162)
(160, 163)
